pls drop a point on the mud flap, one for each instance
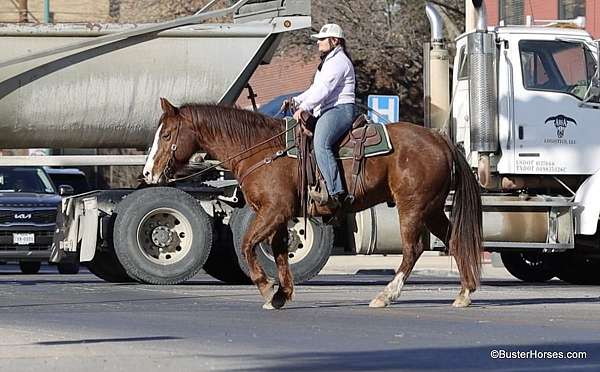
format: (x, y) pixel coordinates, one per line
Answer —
(88, 229)
(65, 236)
(76, 229)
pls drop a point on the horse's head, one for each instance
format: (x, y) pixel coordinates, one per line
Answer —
(173, 145)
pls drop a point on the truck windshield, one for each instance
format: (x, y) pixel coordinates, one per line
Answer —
(25, 179)
(558, 66)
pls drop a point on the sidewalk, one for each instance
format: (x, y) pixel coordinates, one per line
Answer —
(429, 264)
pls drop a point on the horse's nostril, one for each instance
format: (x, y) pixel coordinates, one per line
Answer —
(146, 173)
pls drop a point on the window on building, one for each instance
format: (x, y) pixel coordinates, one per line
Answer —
(569, 9)
(511, 12)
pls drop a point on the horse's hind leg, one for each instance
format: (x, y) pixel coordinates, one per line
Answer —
(439, 225)
(412, 247)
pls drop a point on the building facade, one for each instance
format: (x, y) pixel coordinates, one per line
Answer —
(514, 12)
(285, 74)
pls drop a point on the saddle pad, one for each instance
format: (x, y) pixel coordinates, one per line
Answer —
(381, 148)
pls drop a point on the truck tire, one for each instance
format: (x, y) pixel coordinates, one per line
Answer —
(30, 267)
(222, 263)
(162, 235)
(530, 267)
(307, 255)
(579, 269)
(106, 266)
(68, 267)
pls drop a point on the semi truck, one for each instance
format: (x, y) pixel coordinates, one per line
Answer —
(523, 117)
(523, 106)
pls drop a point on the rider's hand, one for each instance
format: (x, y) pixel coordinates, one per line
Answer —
(285, 105)
(297, 114)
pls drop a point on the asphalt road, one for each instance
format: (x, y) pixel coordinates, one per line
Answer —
(54, 322)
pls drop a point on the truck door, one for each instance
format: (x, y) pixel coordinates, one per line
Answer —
(460, 109)
(554, 132)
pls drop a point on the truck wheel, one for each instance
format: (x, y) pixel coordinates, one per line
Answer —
(162, 235)
(30, 267)
(308, 253)
(68, 267)
(222, 263)
(579, 269)
(106, 266)
(530, 267)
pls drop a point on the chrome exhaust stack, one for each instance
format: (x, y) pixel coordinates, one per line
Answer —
(437, 83)
(483, 98)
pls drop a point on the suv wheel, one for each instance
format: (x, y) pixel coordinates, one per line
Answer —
(30, 267)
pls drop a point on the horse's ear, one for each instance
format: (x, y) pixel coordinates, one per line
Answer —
(167, 107)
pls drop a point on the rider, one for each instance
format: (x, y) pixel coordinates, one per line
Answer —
(331, 100)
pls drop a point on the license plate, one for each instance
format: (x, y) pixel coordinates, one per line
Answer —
(23, 239)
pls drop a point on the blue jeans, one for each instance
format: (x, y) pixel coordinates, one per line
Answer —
(331, 127)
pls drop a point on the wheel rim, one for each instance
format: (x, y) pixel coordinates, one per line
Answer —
(164, 236)
(300, 242)
(533, 260)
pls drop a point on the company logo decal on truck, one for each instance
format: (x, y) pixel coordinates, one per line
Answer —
(560, 123)
(22, 216)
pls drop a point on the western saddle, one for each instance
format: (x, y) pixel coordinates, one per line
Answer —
(352, 145)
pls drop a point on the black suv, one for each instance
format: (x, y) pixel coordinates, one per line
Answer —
(28, 206)
(64, 177)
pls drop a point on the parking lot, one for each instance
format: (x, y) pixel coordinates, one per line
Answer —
(78, 322)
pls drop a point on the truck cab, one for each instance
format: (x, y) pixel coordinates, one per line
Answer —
(546, 116)
(525, 110)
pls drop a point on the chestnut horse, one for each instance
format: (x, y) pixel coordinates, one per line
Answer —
(416, 176)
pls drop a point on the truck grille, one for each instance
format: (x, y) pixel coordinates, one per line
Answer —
(28, 217)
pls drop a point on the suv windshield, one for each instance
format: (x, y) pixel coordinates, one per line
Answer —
(557, 66)
(25, 179)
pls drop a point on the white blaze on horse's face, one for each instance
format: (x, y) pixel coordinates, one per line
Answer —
(149, 176)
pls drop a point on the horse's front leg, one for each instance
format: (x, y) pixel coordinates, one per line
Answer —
(286, 282)
(264, 225)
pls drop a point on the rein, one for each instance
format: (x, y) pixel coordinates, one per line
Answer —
(267, 160)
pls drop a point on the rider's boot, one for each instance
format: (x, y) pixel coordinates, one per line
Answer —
(320, 197)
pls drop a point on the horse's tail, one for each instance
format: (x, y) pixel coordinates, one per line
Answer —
(466, 236)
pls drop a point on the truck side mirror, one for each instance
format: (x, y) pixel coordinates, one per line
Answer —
(65, 190)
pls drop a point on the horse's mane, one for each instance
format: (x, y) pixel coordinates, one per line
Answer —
(245, 128)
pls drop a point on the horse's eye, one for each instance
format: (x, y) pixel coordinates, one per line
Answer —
(166, 136)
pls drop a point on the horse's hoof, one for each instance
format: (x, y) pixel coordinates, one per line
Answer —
(278, 300)
(461, 302)
(378, 303)
(268, 291)
(268, 306)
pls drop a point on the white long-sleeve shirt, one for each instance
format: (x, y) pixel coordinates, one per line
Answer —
(333, 85)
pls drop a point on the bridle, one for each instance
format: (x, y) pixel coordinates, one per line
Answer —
(169, 169)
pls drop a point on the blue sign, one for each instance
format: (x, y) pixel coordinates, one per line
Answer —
(384, 109)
